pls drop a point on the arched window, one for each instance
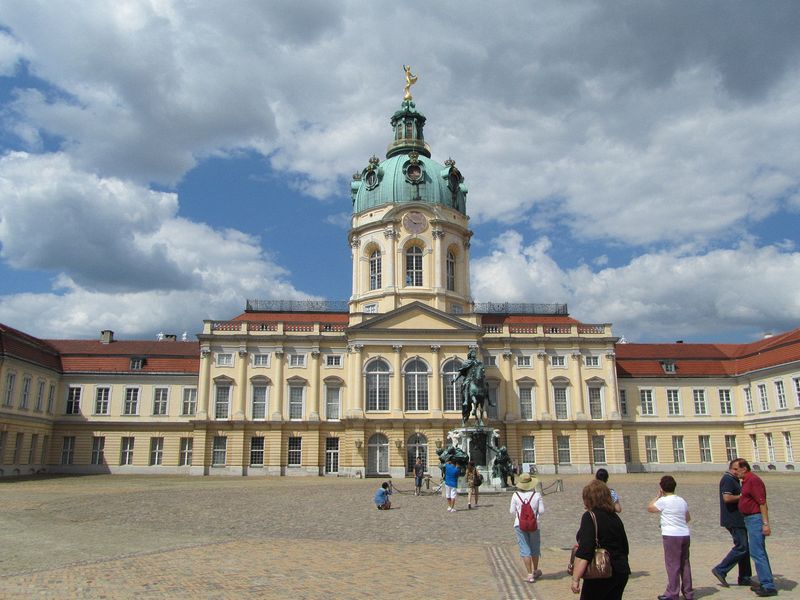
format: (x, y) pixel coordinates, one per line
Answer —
(451, 272)
(417, 446)
(375, 270)
(378, 455)
(416, 376)
(414, 266)
(451, 391)
(377, 385)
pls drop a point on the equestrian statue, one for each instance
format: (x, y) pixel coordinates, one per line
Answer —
(474, 391)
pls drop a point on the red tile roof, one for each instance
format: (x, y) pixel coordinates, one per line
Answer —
(93, 356)
(26, 347)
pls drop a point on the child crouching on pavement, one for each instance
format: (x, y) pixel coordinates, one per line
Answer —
(382, 496)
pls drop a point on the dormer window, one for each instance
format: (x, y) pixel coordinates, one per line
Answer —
(668, 366)
(137, 364)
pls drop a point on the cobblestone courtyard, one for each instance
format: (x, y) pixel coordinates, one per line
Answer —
(177, 537)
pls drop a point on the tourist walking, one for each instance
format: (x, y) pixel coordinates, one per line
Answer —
(753, 506)
(602, 475)
(451, 474)
(529, 540)
(473, 478)
(675, 537)
(730, 518)
(608, 533)
(419, 473)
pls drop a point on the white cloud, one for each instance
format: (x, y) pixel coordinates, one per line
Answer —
(656, 296)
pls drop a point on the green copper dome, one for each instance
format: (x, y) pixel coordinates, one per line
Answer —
(408, 174)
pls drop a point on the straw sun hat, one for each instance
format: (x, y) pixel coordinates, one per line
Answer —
(526, 483)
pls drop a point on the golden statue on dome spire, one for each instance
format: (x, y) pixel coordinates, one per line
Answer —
(411, 79)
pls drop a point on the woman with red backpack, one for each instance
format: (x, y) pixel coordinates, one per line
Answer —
(527, 508)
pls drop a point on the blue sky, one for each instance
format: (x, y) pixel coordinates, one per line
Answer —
(161, 163)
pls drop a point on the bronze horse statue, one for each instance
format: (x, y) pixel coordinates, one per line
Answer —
(476, 394)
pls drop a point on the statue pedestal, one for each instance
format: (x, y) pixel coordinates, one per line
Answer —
(478, 443)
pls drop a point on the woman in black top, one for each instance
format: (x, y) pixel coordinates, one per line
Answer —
(611, 535)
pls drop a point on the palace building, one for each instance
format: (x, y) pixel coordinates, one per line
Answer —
(362, 387)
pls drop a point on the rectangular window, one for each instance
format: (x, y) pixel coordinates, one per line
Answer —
(18, 447)
(297, 360)
(160, 396)
(51, 399)
(725, 404)
(332, 403)
(126, 451)
(137, 364)
(700, 406)
(770, 447)
(26, 393)
(156, 451)
(592, 361)
(3, 435)
(219, 455)
(102, 396)
(560, 402)
(523, 360)
(257, 452)
(623, 402)
(673, 402)
(74, 400)
(754, 446)
(595, 403)
(796, 391)
(294, 457)
(222, 401)
(259, 406)
(331, 455)
(748, 401)
(528, 449)
(646, 402)
(558, 360)
(564, 453)
(787, 445)
(705, 448)
(762, 396)
(668, 366)
(33, 448)
(651, 448)
(224, 359)
(131, 404)
(333, 360)
(189, 405)
(780, 394)
(39, 397)
(626, 448)
(45, 448)
(296, 402)
(68, 450)
(185, 456)
(599, 449)
(678, 451)
(261, 360)
(8, 399)
(730, 447)
(98, 450)
(526, 403)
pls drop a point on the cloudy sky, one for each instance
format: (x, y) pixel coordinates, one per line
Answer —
(161, 162)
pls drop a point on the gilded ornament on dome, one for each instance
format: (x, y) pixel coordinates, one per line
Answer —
(411, 79)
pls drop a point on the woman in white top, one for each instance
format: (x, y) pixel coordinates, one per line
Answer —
(529, 541)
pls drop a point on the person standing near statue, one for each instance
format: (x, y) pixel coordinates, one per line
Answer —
(473, 483)
(730, 490)
(419, 473)
(451, 474)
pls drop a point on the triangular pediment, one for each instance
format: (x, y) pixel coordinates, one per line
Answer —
(416, 317)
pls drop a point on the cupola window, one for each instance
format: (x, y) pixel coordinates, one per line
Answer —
(375, 270)
(414, 266)
(451, 272)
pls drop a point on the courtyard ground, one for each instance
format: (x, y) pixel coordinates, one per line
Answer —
(143, 537)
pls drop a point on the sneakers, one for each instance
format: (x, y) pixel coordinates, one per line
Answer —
(720, 577)
(764, 593)
(537, 574)
(451, 509)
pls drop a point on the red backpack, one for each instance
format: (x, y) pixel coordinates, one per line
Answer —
(527, 516)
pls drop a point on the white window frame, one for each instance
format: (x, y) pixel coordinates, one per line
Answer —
(128, 392)
(333, 361)
(297, 360)
(651, 448)
(563, 445)
(566, 401)
(796, 381)
(415, 387)
(294, 452)
(332, 454)
(337, 413)
(647, 403)
(186, 451)
(377, 381)
(219, 451)
(725, 402)
(754, 447)
(259, 403)
(261, 360)
(189, 401)
(224, 359)
(699, 401)
(763, 397)
(68, 450)
(39, 405)
(451, 271)
(597, 402)
(98, 450)
(678, 449)
(668, 366)
(529, 449)
(450, 388)
(375, 270)
(524, 361)
(160, 404)
(127, 446)
(220, 402)
(73, 402)
(25, 396)
(11, 381)
(674, 404)
(257, 445)
(156, 451)
(415, 266)
(749, 407)
(599, 449)
(770, 446)
(527, 402)
(296, 409)
(592, 361)
(623, 402)
(731, 450)
(780, 394)
(102, 406)
(704, 445)
(558, 361)
(51, 399)
(787, 446)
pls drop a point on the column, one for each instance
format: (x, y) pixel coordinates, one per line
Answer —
(355, 244)
(204, 384)
(612, 401)
(544, 385)
(314, 390)
(241, 390)
(438, 257)
(389, 255)
(277, 408)
(356, 408)
(577, 384)
(435, 391)
(512, 407)
(396, 402)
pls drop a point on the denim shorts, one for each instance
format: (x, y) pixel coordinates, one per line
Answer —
(529, 542)
(418, 481)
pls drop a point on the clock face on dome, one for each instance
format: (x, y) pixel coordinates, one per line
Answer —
(415, 222)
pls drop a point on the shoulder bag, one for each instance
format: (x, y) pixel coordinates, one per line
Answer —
(600, 565)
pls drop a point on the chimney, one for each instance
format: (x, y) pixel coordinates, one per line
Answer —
(679, 341)
(170, 337)
(106, 336)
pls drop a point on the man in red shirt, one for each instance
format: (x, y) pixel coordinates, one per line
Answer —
(753, 506)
